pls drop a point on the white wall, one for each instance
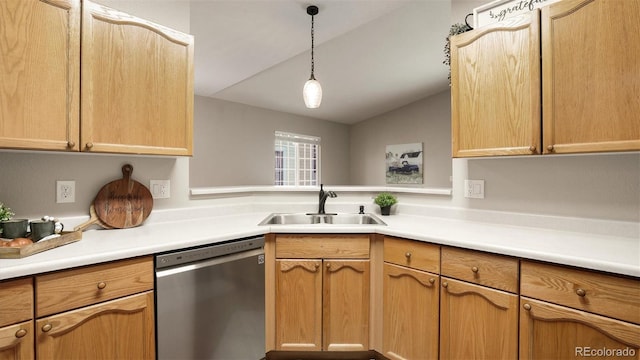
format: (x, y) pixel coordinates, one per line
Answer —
(599, 186)
(233, 144)
(460, 9)
(427, 121)
(28, 179)
(602, 186)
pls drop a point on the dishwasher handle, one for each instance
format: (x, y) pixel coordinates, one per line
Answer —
(189, 256)
(259, 253)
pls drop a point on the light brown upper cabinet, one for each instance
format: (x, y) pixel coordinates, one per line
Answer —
(587, 75)
(137, 85)
(136, 95)
(591, 76)
(495, 89)
(40, 74)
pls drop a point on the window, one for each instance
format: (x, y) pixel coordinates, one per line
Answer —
(297, 160)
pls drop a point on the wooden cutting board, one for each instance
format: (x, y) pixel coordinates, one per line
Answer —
(123, 203)
(93, 219)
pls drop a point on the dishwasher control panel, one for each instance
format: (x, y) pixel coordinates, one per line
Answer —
(216, 250)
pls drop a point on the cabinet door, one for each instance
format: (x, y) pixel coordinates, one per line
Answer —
(590, 76)
(40, 72)
(137, 85)
(477, 322)
(298, 304)
(117, 329)
(346, 305)
(410, 313)
(554, 332)
(16, 301)
(16, 341)
(495, 89)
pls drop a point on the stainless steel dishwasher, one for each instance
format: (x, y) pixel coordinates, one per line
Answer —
(210, 302)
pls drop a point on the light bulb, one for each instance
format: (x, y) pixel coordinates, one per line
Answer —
(312, 93)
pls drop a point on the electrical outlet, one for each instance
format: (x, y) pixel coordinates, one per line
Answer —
(160, 189)
(65, 191)
(474, 189)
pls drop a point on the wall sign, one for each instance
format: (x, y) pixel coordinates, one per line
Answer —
(499, 10)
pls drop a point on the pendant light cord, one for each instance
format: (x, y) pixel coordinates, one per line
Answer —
(312, 45)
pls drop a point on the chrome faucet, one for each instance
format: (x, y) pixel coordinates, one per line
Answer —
(322, 198)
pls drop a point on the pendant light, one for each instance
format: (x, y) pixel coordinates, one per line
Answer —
(312, 91)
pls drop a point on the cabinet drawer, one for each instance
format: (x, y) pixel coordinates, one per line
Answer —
(16, 301)
(330, 246)
(413, 254)
(599, 293)
(496, 271)
(74, 288)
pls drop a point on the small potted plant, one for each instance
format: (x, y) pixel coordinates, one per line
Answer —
(5, 214)
(385, 200)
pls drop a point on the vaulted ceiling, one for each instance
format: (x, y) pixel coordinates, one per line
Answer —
(371, 56)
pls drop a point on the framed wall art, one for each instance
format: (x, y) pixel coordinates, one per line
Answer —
(404, 164)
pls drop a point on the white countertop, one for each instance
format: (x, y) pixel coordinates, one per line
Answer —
(613, 254)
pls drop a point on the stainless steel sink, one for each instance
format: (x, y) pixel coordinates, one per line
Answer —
(311, 218)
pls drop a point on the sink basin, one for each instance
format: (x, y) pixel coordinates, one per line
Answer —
(310, 218)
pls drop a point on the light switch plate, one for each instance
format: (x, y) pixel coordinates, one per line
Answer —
(474, 189)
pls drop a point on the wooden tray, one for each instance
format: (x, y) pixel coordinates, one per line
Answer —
(40, 246)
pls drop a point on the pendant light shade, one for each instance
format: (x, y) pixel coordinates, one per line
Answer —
(312, 91)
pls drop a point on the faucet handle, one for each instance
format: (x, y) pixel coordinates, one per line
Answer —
(361, 209)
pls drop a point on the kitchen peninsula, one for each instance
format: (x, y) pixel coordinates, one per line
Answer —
(614, 256)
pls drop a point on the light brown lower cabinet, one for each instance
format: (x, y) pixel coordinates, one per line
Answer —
(299, 305)
(578, 313)
(103, 311)
(549, 331)
(322, 304)
(16, 341)
(116, 329)
(345, 305)
(477, 322)
(16, 319)
(410, 313)
(321, 292)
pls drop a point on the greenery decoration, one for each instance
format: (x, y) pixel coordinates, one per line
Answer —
(5, 213)
(385, 199)
(454, 30)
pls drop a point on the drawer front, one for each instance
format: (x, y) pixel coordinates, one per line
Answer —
(413, 254)
(84, 286)
(496, 271)
(604, 294)
(16, 301)
(294, 246)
